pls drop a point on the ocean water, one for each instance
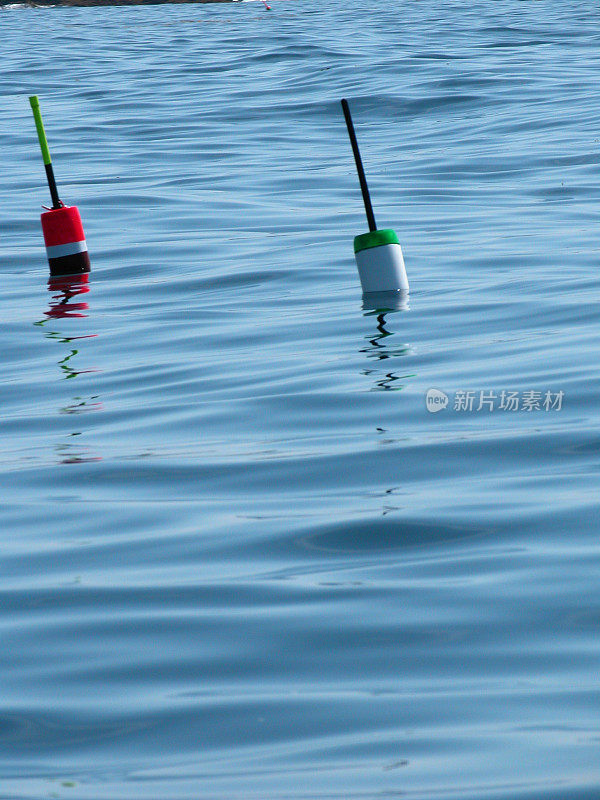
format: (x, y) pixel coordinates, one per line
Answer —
(240, 556)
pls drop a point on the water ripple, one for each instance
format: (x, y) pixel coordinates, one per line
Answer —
(240, 558)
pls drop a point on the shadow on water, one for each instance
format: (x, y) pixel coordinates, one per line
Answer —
(381, 534)
(380, 305)
(67, 303)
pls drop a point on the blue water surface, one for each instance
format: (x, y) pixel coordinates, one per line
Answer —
(240, 557)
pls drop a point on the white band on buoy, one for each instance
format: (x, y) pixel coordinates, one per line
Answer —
(60, 250)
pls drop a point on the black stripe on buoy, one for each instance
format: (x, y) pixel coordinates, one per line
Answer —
(70, 265)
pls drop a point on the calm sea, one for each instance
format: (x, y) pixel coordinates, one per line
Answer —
(241, 557)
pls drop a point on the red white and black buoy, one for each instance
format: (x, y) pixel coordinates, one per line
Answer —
(64, 238)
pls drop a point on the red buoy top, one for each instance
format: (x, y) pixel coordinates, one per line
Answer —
(62, 226)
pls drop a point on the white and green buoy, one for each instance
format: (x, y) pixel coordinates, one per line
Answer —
(378, 253)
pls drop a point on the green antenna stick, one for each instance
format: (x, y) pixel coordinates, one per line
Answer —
(37, 115)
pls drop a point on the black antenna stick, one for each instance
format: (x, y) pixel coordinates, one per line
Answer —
(359, 167)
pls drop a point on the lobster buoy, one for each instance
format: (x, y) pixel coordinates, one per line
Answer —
(378, 253)
(65, 241)
(64, 238)
(380, 262)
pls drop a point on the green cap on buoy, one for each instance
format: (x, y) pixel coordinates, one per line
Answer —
(375, 239)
